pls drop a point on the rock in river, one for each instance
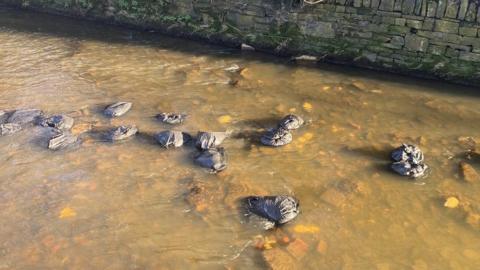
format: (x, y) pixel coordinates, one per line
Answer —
(214, 159)
(275, 210)
(57, 121)
(468, 173)
(117, 109)
(171, 138)
(3, 116)
(61, 140)
(276, 137)
(207, 140)
(408, 161)
(9, 128)
(172, 118)
(121, 133)
(291, 122)
(24, 117)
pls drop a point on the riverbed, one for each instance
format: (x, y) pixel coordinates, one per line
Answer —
(134, 205)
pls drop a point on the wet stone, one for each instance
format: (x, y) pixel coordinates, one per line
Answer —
(234, 69)
(121, 133)
(468, 173)
(214, 159)
(408, 161)
(172, 118)
(291, 122)
(276, 137)
(203, 195)
(62, 140)
(57, 121)
(3, 116)
(275, 210)
(208, 140)
(9, 128)
(279, 259)
(117, 109)
(24, 117)
(171, 138)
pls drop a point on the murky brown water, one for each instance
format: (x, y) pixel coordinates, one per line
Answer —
(123, 206)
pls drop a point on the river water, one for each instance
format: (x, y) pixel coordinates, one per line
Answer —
(133, 205)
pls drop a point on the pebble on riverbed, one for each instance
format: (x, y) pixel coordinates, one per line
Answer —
(117, 109)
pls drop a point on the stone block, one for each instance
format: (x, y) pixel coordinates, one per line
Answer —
(395, 42)
(446, 26)
(442, 6)
(318, 29)
(387, 5)
(468, 31)
(416, 43)
(428, 24)
(471, 57)
(432, 8)
(463, 9)
(452, 9)
(471, 12)
(414, 24)
(400, 21)
(436, 49)
(408, 6)
(452, 53)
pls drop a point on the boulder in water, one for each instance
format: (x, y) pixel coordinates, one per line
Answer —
(276, 137)
(61, 140)
(57, 121)
(3, 116)
(171, 138)
(24, 117)
(208, 140)
(172, 118)
(291, 122)
(122, 133)
(214, 159)
(117, 109)
(274, 210)
(408, 161)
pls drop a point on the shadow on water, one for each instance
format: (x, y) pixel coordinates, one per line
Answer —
(78, 29)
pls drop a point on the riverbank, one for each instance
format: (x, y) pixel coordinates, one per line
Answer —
(422, 39)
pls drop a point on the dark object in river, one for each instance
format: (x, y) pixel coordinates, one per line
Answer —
(24, 117)
(408, 161)
(57, 121)
(121, 133)
(172, 138)
(214, 159)
(172, 118)
(275, 210)
(117, 109)
(291, 122)
(3, 116)
(61, 140)
(208, 140)
(9, 128)
(276, 137)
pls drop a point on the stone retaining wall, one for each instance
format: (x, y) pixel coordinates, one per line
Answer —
(432, 38)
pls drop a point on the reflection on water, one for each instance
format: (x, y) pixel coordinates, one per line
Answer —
(134, 205)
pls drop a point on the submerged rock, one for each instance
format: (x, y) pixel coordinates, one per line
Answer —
(468, 173)
(117, 109)
(408, 161)
(208, 140)
(202, 196)
(9, 128)
(214, 159)
(24, 117)
(276, 210)
(171, 138)
(291, 122)
(3, 116)
(234, 69)
(57, 121)
(276, 137)
(122, 133)
(172, 118)
(62, 140)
